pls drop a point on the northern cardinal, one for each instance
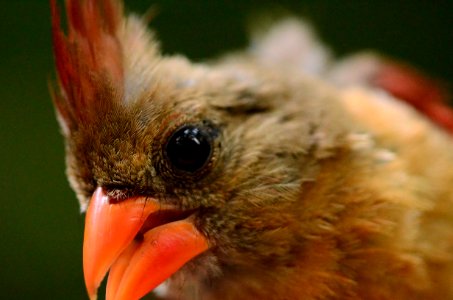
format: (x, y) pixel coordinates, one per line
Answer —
(254, 177)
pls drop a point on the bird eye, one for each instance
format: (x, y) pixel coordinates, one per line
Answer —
(189, 148)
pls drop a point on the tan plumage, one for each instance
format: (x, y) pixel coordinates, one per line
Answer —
(313, 191)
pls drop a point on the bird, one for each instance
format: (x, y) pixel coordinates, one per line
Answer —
(275, 172)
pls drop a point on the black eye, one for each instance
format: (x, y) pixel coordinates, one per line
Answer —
(189, 148)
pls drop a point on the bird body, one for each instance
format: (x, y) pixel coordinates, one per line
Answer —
(288, 186)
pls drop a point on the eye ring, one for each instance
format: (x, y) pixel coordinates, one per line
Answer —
(190, 148)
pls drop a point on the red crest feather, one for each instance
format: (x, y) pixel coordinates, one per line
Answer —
(87, 58)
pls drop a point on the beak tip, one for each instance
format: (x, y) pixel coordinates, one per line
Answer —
(91, 287)
(92, 293)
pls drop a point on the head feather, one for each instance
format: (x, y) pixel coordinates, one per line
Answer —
(89, 58)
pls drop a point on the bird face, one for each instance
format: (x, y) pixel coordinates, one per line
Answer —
(193, 173)
(187, 171)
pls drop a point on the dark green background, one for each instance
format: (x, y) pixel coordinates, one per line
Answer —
(40, 226)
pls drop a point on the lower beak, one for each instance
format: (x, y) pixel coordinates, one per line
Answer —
(136, 266)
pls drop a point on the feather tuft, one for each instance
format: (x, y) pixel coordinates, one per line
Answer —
(89, 58)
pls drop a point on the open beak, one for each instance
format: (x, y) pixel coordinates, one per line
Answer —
(139, 241)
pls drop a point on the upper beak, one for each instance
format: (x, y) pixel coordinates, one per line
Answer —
(136, 266)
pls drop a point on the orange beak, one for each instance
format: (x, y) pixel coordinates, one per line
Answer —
(132, 239)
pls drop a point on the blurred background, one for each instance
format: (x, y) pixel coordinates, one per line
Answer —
(40, 225)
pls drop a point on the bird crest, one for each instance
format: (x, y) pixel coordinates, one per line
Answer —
(88, 58)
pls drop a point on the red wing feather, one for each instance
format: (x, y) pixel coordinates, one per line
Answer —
(424, 94)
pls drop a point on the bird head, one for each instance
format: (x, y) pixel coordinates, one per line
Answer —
(192, 172)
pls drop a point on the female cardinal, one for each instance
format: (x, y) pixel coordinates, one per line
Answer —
(256, 177)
